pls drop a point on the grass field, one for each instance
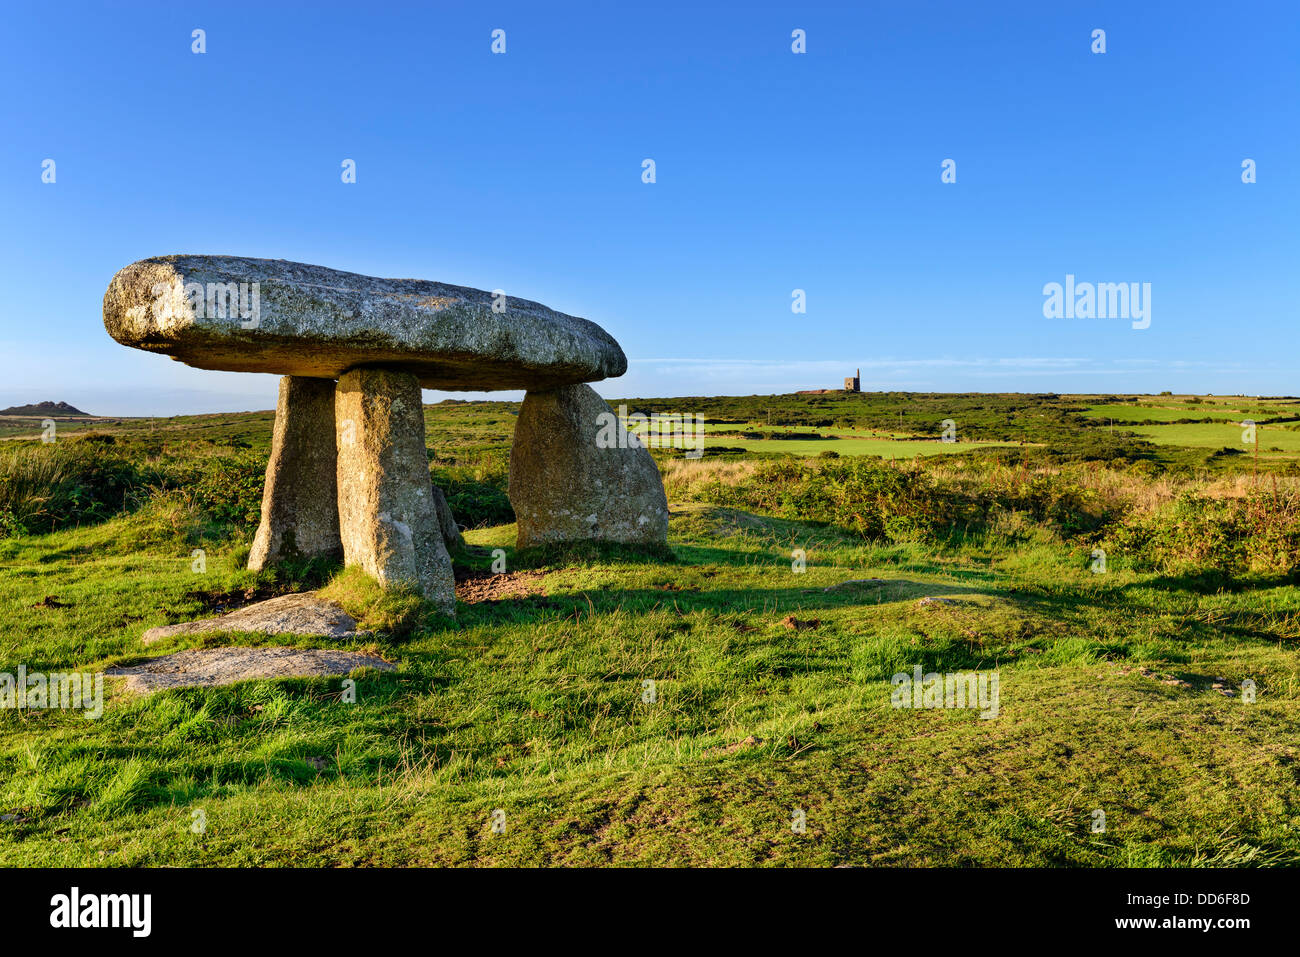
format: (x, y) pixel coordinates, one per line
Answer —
(771, 682)
(192, 426)
(1272, 439)
(1187, 409)
(1129, 414)
(848, 444)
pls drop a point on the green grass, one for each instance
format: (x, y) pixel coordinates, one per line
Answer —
(397, 611)
(1186, 409)
(1214, 436)
(223, 424)
(534, 703)
(1129, 414)
(885, 448)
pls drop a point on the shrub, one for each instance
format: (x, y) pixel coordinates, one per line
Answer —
(917, 501)
(229, 489)
(871, 499)
(1258, 533)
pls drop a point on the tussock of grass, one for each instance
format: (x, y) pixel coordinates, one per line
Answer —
(55, 485)
(396, 612)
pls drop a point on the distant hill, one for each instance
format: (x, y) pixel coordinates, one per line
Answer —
(44, 408)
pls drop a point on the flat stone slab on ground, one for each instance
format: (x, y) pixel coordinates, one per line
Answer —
(312, 321)
(210, 667)
(298, 614)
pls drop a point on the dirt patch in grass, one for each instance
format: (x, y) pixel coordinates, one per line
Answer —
(221, 602)
(478, 586)
(1185, 680)
(800, 624)
(749, 742)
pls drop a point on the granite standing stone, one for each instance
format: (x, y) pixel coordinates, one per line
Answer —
(451, 536)
(387, 517)
(300, 516)
(565, 488)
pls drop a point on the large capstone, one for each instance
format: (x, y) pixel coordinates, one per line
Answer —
(300, 516)
(571, 480)
(269, 315)
(388, 520)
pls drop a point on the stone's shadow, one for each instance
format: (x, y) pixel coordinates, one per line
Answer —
(716, 555)
(569, 554)
(216, 602)
(1211, 581)
(771, 619)
(687, 599)
(301, 573)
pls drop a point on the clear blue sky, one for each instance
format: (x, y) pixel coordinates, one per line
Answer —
(775, 171)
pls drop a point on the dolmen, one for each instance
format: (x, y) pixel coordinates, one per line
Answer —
(348, 474)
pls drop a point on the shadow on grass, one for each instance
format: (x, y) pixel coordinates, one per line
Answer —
(687, 599)
(568, 554)
(1211, 581)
